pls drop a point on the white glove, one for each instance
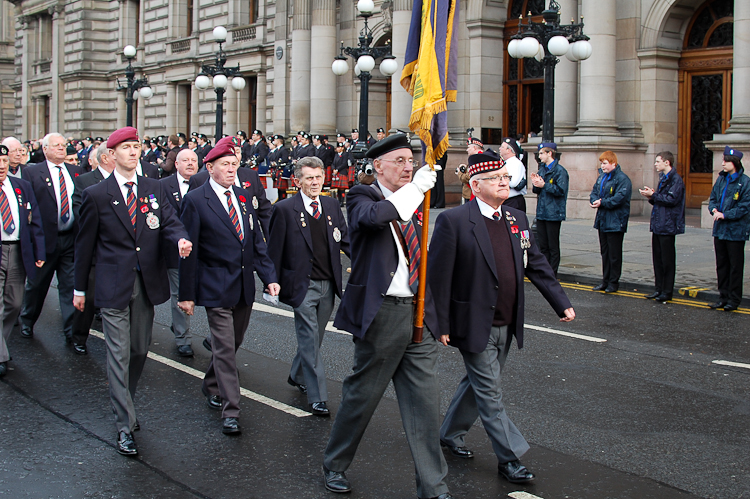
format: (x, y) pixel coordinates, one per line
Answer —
(425, 178)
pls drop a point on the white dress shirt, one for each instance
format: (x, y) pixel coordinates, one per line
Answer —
(487, 211)
(400, 284)
(13, 204)
(55, 181)
(220, 193)
(183, 183)
(517, 173)
(307, 202)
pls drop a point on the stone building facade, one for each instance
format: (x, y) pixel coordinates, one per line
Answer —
(660, 76)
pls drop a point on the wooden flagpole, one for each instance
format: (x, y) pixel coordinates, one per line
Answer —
(419, 310)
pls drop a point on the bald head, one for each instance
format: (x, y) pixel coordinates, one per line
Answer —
(186, 163)
(15, 151)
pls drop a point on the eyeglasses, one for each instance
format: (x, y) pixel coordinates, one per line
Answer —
(495, 179)
(402, 162)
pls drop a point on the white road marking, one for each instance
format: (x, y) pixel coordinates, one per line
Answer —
(732, 364)
(523, 495)
(565, 333)
(243, 391)
(287, 313)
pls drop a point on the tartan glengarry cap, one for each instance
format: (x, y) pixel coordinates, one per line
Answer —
(388, 144)
(729, 151)
(125, 134)
(475, 141)
(223, 148)
(484, 162)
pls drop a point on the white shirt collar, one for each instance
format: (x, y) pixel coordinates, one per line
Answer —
(121, 181)
(486, 210)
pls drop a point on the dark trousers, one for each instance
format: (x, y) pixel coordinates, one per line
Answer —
(664, 256)
(228, 326)
(517, 202)
(60, 261)
(82, 320)
(437, 194)
(730, 265)
(610, 245)
(548, 238)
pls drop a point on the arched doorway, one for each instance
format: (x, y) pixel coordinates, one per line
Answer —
(705, 94)
(523, 79)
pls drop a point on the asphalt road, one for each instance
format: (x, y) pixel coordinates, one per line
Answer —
(634, 407)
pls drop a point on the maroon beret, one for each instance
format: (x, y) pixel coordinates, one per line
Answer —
(230, 139)
(221, 149)
(126, 134)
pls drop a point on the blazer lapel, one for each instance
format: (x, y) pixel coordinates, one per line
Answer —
(217, 206)
(119, 205)
(302, 221)
(45, 173)
(140, 215)
(515, 242)
(482, 236)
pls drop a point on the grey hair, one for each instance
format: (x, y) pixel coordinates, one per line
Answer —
(310, 162)
(101, 151)
(45, 140)
(8, 140)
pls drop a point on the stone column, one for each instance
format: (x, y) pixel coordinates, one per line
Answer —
(261, 104)
(232, 110)
(195, 116)
(57, 102)
(566, 80)
(740, 122)
(598, 72)
(122, 111)
(171, 118)
(322, 80)
(300, 84)
(24, 33)
(140, 118)
(400, 98)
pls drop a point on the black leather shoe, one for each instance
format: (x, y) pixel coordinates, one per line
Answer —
(27, 331)
(653, 295)
(730, 306)
(231, 427)
(213, 401)
(80, 348)
(515, 472)
(298, 386)
(718, 304)
(3, 368)
(207, 344)
(320, 409)
(447, 495)
(126, 444)
(136, 426)
(185, 351)
(664, 297)
(611, 289)
(599, 287)
(461, 452)
(336, 481)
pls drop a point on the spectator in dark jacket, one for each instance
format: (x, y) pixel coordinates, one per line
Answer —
(667, 220)
(551, 188)
(729, 204)
(611, 199)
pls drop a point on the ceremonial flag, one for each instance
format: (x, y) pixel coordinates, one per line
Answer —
(430, 72)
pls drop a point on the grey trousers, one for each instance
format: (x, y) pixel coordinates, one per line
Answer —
(12, 277)
(479, 395)
(387, 353)
(127, 333)
(180, 320)
(60, 262)
(227, 326)
(310, 320)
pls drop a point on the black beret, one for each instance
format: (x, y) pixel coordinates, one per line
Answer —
(241, 133)
(388, 144)
(513, 144)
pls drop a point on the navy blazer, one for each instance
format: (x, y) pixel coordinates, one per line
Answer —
(462, 273)
(29, 222)
(82, 182)
(219, 270)
(150, 170)
(172, 192)
(106, 230)
(39, 178)
(250, 181)
(291, 249)
(374, 261)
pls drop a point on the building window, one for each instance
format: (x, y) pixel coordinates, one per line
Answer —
(254, 11)
(181, 15)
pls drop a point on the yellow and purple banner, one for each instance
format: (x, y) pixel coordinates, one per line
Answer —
(430, 72)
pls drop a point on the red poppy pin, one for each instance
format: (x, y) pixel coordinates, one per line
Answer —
(514, 229)
(246, 185)
(76, 174)
(242, 198)
(18, 191)
(144, 208)
(419, 216)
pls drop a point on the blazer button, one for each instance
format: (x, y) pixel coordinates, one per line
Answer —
(392, 274)
(497, 287)
(134, 269)
(243, 266)
(493, 307)
(138, 248)
(311, 260)
(382, 294)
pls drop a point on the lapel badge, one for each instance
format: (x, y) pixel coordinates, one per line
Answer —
(250, 218)
(115, 202)
(152, 200)
(144, 209)
(336, 234)
(255, 203)
(152, 221)
(525, 258)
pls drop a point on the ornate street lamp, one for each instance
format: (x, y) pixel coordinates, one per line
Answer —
(221, 77)
(365, 56)
(135, 87)
(545, 41)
